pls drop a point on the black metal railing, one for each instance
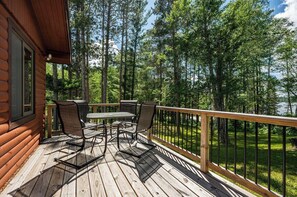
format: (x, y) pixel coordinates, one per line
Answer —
(249, 147)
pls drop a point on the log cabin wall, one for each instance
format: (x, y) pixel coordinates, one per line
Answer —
(17, 144)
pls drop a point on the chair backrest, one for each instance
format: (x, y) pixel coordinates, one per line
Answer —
(128, 106)
(83, 107)
(68, 113)
(146, 116)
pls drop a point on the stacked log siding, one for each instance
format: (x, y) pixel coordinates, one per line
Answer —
(17, 144)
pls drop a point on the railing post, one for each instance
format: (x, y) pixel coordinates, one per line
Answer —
(149, 134)
(49, 121)
(204, 151)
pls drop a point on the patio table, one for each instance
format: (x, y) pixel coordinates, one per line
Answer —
(109, 115)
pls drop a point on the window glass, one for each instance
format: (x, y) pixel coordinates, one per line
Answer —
(22, 78)
(28, 79)
(16, 77)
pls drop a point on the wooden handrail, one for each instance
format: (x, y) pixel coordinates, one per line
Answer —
(205, 116)
(275, 120)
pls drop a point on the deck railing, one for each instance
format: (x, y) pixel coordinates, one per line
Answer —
(252, 150)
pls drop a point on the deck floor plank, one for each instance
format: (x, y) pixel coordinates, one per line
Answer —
(152, 186)
(133, 178)
(96, 183)
(33, 176)
(194, 187)
(110, 185)
(116, 174)
(82, 182)
(44, 178)
(17, 181)
(165, 185)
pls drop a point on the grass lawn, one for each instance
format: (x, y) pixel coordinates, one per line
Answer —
(189, 139)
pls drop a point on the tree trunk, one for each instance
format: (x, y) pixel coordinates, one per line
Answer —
(105, 68)
(126, 58)
(134, 65)
(176, 70)
(122, 51)
(102, 49)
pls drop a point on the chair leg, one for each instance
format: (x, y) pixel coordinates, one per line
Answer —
(93, 143)
(79, 150)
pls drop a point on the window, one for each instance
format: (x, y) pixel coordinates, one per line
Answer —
(22, 78)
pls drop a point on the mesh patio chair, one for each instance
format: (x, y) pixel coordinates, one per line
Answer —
(73, 126)
(144, 123)
(125, 106)
(83, 107)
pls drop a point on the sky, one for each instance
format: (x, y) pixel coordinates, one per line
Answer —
(286, 9)
(282, 8)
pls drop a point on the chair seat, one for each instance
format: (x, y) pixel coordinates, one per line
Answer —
(130, 129)
(89, 133)
(90, 124)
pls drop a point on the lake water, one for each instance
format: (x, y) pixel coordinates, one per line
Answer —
(282, 108)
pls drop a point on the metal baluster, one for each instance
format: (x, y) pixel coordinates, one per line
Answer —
(284, 162)
(171, 130)
(256, 151)
(165, 125)
(178, 127)
(197, 140)
(211, 139)
(187, 130)
(182, 125)
(269, 156)
(219, 123)
(191, 133)
(244, 152)
(226, 144)
(235, 146)
(173, 127)
(159, 121)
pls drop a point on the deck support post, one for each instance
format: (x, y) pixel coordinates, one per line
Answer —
(49, 120)
(149, 134)
(204, 152)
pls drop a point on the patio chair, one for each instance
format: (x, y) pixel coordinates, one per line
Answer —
(144, 123)
(73, 126)
(125, 106)
(83, 108)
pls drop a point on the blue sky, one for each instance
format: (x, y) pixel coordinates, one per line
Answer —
(277, 5)
(282, 8)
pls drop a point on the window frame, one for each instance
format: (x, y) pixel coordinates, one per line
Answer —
(26, 43)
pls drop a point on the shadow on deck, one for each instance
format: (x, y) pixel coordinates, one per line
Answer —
(158, 173)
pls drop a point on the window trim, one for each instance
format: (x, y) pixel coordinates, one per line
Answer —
(14, 28)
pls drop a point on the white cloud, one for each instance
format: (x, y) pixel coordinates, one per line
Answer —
(290, 11)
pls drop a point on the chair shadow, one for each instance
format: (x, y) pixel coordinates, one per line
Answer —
(49, 181)
(146, 166)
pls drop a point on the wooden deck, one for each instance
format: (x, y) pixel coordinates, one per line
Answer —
(159, 173)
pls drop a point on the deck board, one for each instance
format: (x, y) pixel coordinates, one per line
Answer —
(116, 174)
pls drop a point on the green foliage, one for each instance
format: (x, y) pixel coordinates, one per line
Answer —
(203, 54)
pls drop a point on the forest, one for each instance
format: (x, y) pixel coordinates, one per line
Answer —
(205, 54)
